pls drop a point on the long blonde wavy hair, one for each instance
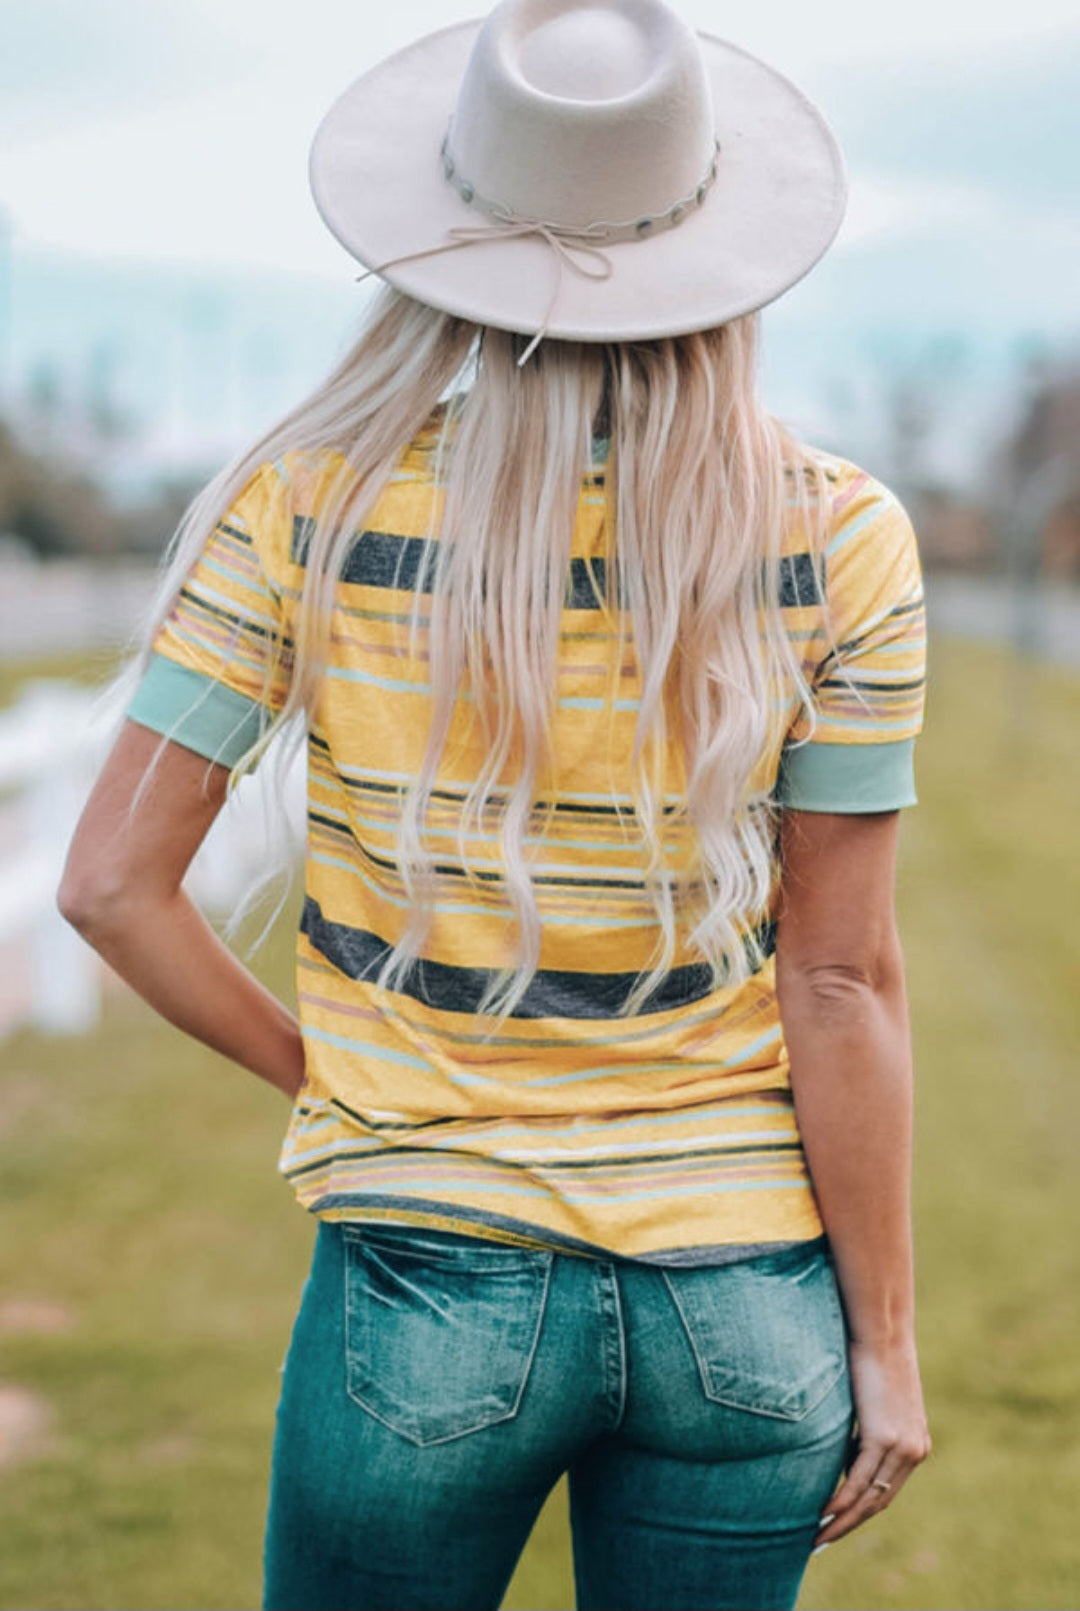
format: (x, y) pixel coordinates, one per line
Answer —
(701, 485)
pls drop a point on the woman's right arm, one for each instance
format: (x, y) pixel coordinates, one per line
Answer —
(840, 982)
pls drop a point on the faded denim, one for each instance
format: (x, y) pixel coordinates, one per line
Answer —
(437, 1386)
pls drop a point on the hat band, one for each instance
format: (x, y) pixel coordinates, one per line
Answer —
(630, 229)
(574, 247)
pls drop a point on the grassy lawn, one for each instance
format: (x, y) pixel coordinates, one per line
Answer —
(140, 1196)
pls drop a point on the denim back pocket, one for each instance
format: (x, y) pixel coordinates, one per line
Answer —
(767, 1333)
(440, 1332)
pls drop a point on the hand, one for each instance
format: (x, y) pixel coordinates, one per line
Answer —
(892, 1436)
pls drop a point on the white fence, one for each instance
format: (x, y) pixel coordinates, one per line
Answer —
(62, 605)
(52, 744)
(1040, 618)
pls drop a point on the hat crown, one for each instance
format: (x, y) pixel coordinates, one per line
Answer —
(590, 53)
(580, 113)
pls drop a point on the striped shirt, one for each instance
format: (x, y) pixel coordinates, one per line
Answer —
(669, 1136)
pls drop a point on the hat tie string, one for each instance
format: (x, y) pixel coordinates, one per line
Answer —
(574, 248)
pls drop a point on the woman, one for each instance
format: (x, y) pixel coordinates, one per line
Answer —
(601, 1083)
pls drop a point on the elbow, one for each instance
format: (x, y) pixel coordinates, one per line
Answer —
(89, 899)
(76, 903)
(839, 993)
(875, 972)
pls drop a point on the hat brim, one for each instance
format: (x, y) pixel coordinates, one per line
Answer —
(775, 207)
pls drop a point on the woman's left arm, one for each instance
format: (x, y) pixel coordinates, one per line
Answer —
(121, 889)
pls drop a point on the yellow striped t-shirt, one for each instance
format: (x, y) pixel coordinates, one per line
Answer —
(669, 1136)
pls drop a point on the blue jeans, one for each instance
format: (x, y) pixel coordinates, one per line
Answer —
(437, 1386)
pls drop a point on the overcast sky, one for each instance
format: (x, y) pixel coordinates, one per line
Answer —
(180, 129)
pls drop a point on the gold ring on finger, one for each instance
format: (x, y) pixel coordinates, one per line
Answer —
(879, 1482)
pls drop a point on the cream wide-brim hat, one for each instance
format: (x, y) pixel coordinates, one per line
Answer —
(688, 181)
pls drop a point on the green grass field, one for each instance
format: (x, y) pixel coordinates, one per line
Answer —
(139, 1191)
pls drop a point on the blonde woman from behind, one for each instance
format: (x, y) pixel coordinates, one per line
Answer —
(601, 1080)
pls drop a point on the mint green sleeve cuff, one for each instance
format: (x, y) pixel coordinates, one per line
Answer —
(196, 711)
(847, 777)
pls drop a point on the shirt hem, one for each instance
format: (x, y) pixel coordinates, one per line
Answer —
(196, 711)
(421, 1212)
(824, 776)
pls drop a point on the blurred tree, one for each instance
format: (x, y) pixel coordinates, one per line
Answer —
(7, 232)
(45, 400)
(148, 526)
(53, 506)
(1038, 471)
(919, 390)
(910, 415)
(109, 422)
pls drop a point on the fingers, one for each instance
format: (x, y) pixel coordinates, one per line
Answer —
(879, 1472)
(855, 1496)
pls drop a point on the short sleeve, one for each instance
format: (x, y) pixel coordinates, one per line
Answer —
(869, 683)
(220, 661)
